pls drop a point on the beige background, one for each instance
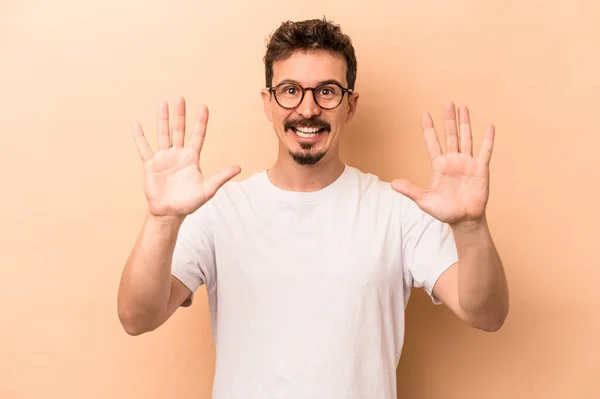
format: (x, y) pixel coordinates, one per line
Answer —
(74, 75)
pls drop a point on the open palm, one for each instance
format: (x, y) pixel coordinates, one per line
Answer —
(173, 182)
(459, 188)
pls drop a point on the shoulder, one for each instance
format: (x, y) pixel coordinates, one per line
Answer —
(240, 188)
(235, 195)
(371, 185)
(374, 191)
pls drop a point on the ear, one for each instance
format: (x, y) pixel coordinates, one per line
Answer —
(266, 96)
(352, 104)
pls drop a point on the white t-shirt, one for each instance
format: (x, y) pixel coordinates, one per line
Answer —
(307, 290)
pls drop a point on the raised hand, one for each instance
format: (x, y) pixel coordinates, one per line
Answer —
(174, 184)
(459, 188)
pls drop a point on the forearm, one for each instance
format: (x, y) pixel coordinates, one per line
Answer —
(146, 280)
(482, 287)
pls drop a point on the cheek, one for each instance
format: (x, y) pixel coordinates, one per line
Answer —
(283, 115)
(338, 121)
(279, 119)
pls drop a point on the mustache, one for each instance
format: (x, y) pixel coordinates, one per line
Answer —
(303, 122)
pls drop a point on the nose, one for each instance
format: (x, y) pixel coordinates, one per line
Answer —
(308, 107)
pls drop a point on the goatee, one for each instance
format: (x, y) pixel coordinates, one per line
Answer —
(307, 158)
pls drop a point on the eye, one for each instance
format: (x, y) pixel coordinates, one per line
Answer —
(328, 92)
(288, 90)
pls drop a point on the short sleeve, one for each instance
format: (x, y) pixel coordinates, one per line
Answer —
(428, 247)
(193, 261)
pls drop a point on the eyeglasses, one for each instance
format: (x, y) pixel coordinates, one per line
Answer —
(327, 95)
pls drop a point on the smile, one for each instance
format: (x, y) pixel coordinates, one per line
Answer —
(310, 134)
(307, 132)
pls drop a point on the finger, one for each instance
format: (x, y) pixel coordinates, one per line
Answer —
(178, 131)
(485, 154)
(466, 137)
(216, 181)
(141, 143)
(450, 128)
(164, 139)
(408, 189)
(431, 139)
(199, 129)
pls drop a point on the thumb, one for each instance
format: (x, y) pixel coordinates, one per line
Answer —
(219, 178)
(408, 189)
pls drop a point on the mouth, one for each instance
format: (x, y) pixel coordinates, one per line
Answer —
(308, 134)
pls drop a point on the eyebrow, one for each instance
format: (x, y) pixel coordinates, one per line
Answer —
(323, 82)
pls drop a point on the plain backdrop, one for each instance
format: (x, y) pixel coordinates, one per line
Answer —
(74, 75)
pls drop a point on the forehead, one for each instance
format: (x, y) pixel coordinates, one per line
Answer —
(310, 68)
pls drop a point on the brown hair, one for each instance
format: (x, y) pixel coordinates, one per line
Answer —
(313, 34)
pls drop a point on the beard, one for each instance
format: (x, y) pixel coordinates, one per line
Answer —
(305, 156)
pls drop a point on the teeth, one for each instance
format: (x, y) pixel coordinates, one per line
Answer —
(307, 129)
(307, 132)
(306, 135)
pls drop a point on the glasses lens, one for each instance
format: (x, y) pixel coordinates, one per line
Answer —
(288, 95)
(328, 96)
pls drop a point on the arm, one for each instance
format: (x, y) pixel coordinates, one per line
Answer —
(148, 293)
(475, 288)
(175, 188)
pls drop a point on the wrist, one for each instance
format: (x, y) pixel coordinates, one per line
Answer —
(470, 227)
(165, 220)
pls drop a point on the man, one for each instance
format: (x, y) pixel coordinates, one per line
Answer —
(308, 265)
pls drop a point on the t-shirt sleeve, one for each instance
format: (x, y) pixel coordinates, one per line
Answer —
(428, 247)
(193, 260)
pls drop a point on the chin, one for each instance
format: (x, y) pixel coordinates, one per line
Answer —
(307, 158)
(307, 146)
(307, 152)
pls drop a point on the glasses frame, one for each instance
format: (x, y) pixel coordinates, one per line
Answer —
(305, 89)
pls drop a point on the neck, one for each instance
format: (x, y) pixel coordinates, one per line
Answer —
(288, 175)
